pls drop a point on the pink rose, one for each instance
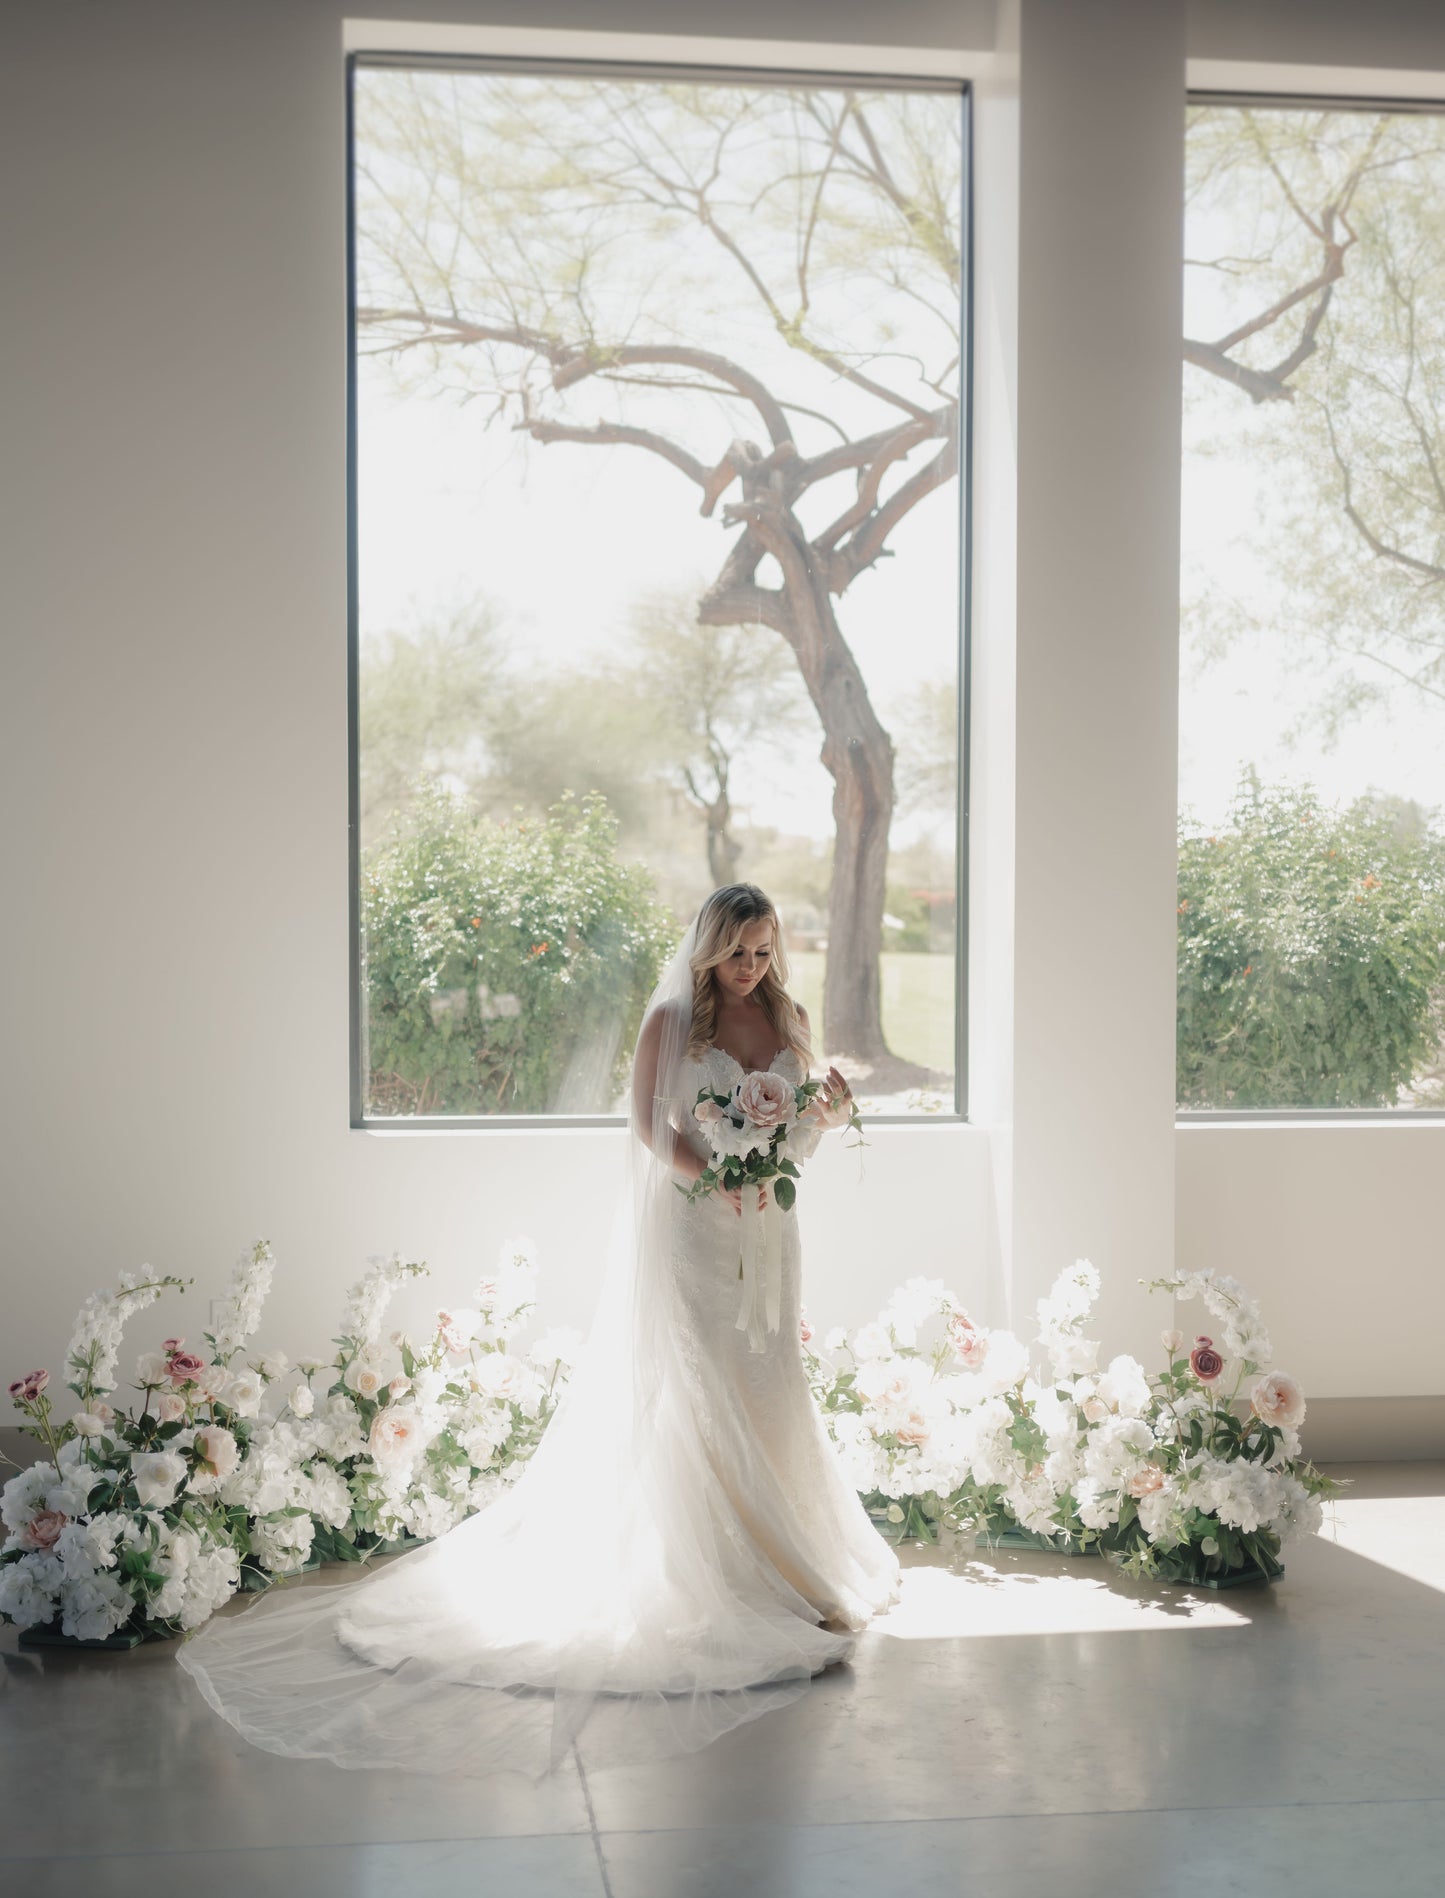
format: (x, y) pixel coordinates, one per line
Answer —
(104, 1412)
(707, 1112)
(217, 1449)
(171, 1345)
(1145, 1480)
(456, 1329)
(398, 1387)
(394, 1438)
(1095, 1410)
(966, 1342)
(765, 1099)
(1278, 1400)
(913, 1429)
(1205, 1361)
(805, 1330)
(167, 1406)
(26, 1389)
(184, 1367)
(43, 1529)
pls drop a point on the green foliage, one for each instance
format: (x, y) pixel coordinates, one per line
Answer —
(1310, 942)
(507, 964)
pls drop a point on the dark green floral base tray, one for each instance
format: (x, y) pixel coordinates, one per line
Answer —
(51, 1636)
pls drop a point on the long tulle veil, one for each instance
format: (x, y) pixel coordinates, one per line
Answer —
(600, 1593)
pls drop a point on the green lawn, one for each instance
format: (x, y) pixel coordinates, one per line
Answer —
(918, 1003)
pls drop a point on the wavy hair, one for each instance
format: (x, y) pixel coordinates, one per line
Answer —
(720, 925)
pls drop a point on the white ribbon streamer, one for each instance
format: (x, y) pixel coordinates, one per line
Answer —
(760, 1307)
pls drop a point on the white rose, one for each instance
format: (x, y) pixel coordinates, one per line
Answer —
(274, 1364)
(217, 1449)
(1278, 1399)
(157, 1475)
(395, 1438)
(150, 1368)
(88, 1424)
(303, 1401)
(244, 1391)
(363, 1378)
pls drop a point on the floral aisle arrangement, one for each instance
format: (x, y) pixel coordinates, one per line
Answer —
(393, 1441)
(1192, 1473)
(233, 1469)
(143, 1521)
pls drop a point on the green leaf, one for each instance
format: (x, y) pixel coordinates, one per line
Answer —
(785, 1193)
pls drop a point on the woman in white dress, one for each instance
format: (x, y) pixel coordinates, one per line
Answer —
(683, 1552)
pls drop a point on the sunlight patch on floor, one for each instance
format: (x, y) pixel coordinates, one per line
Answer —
(1405, 1534)
(941, 1604)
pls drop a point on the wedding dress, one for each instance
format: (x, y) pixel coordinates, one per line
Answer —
(682, 1553)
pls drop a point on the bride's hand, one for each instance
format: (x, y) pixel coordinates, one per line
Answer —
(734, 1196)
(835, 1099)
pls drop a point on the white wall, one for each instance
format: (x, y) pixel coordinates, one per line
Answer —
(173, 961)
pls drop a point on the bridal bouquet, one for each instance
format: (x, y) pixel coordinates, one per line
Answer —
(754, 1132)
(749, 1131)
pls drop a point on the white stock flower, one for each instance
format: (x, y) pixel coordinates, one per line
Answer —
(243, 1298)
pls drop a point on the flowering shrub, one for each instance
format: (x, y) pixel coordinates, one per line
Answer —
(500, 957)
(1311, 954)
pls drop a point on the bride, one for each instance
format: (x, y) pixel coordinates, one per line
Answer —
(683, 1551)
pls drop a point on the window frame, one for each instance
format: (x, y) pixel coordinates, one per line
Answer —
(1307, 99)
(561, 65)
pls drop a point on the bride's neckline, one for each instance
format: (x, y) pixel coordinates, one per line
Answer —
(716, 1048)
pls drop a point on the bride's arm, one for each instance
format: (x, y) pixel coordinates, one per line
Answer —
(834, 1099)
(663, 1139)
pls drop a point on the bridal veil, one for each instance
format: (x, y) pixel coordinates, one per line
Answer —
(611, 1589)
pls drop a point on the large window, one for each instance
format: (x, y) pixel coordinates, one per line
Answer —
(657, 425)
(1312, 754)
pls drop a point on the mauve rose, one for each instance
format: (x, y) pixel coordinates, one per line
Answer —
(1205, 1361)
(1146, 1479)
(1278, 1400)
(765, 1099)
(805, 1330)
(43, 1529)
(168, 1345)
(26, 1389)
(184, 1367)
(167, 1406)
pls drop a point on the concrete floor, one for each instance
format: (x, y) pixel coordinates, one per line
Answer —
(1020, 1727)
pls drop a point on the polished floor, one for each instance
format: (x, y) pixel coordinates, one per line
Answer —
(1019, 1726)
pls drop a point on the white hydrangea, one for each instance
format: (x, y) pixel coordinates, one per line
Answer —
(1061, 1316)
(28, 1590)
(283, 1546)
(94, 1606)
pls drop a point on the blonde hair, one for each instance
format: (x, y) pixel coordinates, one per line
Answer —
(720, 925)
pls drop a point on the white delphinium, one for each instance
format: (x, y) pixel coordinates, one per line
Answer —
(1061, 1317)
(368, 1299)
(508, 1294)
(242, 1300)
(94, 1346)
(1244, 1335)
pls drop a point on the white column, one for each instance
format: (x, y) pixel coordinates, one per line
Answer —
(1090, 1166)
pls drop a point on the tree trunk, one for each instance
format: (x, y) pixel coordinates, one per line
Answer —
(857, 752)
(723, 849)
